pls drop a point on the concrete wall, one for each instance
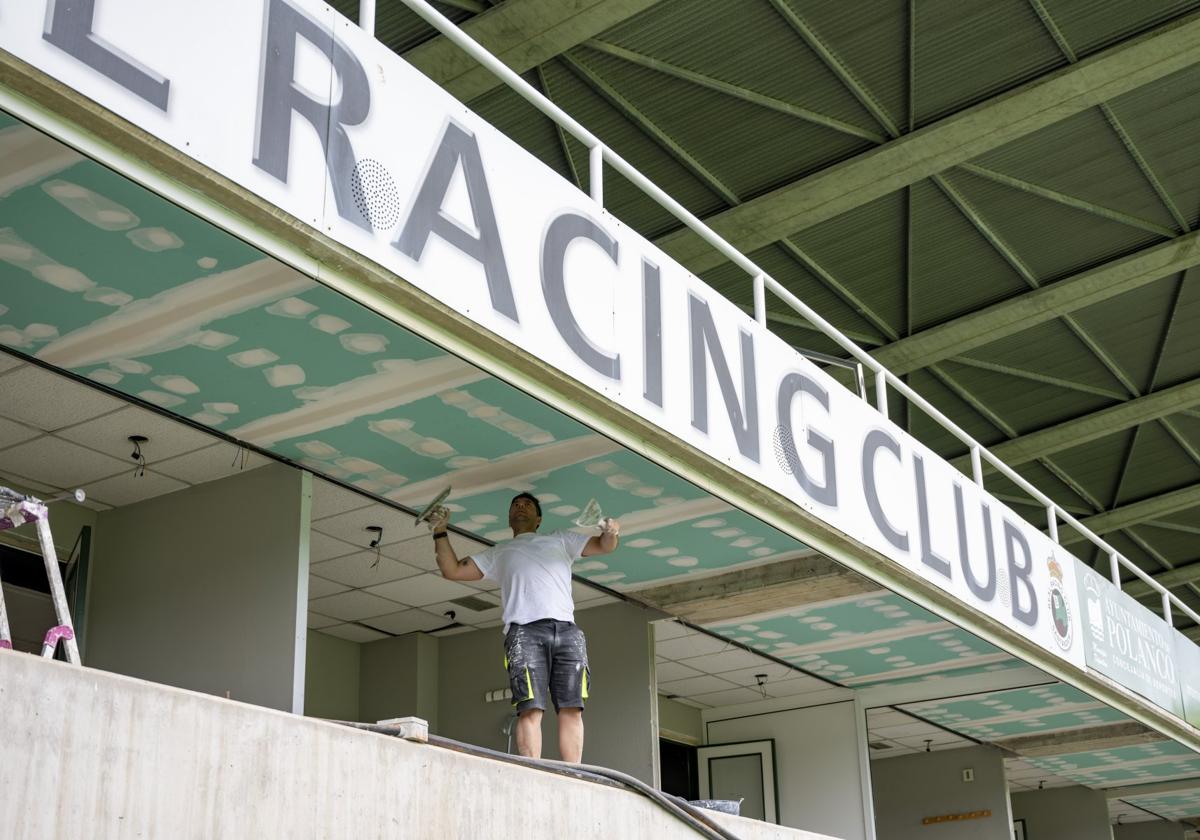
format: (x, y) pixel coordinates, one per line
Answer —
(206, 588)
(400, 678)
(621, 717)
(912, 787)
(816, 765)
(1070, 813)
(1156, 830)
(332, 674)
(679, 722)
(119, 758)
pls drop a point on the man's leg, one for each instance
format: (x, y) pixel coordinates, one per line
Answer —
(529, 733)
(570, 735)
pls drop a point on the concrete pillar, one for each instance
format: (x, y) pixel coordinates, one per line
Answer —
(1070, 813)
(911, 788)
(400, 678)
(817, 764)
(207, 588)
(1154, 830)
(621, 721)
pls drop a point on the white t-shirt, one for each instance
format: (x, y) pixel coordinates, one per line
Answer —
(534, 573)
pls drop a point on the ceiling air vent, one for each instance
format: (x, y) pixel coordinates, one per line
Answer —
(879, 745)
(470, 602)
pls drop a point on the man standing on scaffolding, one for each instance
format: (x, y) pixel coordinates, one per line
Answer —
(545, 652)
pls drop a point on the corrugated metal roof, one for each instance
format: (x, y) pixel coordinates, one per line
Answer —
(949, 252)
(1091, 25)
(966, 52)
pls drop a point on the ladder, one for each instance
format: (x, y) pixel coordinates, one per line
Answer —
(17, 509)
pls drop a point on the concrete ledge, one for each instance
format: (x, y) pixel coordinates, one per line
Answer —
(91, 754)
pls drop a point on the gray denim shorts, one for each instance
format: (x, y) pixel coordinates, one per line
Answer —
(547, 660)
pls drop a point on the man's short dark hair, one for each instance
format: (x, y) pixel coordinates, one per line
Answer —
(536, 504)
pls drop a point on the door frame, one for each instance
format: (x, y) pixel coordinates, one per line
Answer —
(764, 748)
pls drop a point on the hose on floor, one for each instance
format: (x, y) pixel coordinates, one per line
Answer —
(678, 808)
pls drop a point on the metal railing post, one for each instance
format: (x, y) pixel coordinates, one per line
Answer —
(1052, 523)
(596, 173)
(760, 299)
(881, 392)
(1114, 568)
(366, 16)
(976, 466)
(1166, 608)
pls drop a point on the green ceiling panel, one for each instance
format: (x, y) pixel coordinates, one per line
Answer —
(1091, 25)
(866, 640)
(622, 199)
(1157, 465)
(751, 149)
(255, 365)
(1052, 239)
(1096, 466)
(713, 39)
(1172, 806)
(1025, 711)
(1162, 120)
(1082, 157)
(1181, 353)
(966, 52)
(872, 40)
(869, 246)
(949, 252)
(1124, 766)
(1052, 349)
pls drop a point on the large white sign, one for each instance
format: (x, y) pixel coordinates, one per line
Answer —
(295, 103)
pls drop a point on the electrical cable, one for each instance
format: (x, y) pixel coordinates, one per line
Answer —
(678, 808)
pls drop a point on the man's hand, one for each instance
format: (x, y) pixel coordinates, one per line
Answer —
(606, 543)
(439, 518)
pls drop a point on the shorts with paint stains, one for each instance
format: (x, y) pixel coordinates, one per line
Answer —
(547, 659)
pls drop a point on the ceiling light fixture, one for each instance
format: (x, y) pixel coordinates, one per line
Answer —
(137, 455)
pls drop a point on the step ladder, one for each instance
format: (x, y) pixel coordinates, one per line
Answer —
(17, 509)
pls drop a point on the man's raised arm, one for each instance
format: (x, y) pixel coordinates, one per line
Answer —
(607, 542)
(450, 566)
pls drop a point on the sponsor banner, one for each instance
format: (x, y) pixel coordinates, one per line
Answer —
(1187, 664)
(313, 115)
(1128, 643)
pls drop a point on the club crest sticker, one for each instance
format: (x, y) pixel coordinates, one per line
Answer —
(1060, 610)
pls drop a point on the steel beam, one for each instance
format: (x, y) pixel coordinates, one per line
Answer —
(786, 584)
(1132, 514)
(1107, 737)
(1090, 427)
(522, 34)
(1037, 306)
(946, 143)
(1180, 576)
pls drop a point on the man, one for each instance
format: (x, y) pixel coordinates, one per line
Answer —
(545, 653)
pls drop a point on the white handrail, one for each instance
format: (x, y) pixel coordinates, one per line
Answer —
(599, 154)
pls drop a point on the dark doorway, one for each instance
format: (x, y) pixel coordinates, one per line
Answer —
(677, 764)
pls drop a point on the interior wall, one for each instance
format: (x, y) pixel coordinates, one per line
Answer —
(206, 588)
(333, 669)
(909, 788)
(1155, 830)
(400, 678)
(621, 728)
(1070, 813)
(678, 719)
(816, 765)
